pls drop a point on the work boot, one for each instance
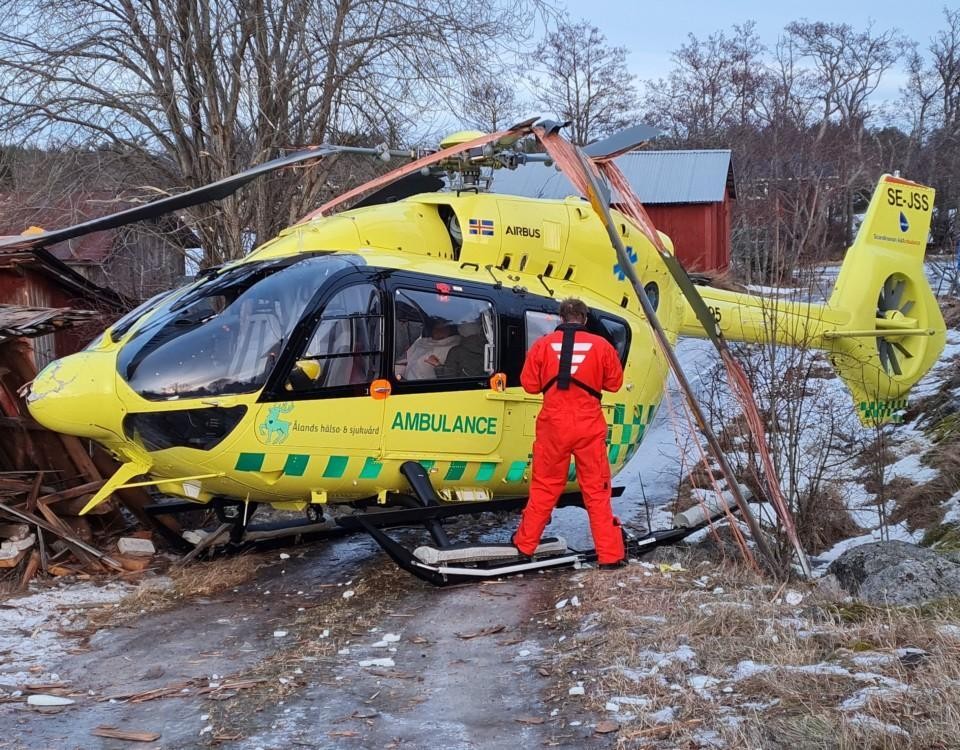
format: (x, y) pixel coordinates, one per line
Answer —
(520, 553)
(612, 566)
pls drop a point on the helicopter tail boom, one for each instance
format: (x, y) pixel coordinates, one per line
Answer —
(881, 327)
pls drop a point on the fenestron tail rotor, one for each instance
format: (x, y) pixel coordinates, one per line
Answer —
(894, 304)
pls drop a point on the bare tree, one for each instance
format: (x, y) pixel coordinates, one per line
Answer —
(492, 104)
(716, 84)
(583, 79)
(197, 91)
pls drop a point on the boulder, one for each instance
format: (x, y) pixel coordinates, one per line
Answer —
(896, 573)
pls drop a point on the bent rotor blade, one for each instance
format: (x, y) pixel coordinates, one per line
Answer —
(622, 142)
(213, 191)
(518, 130)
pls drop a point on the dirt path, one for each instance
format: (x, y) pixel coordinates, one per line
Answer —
(468, 667)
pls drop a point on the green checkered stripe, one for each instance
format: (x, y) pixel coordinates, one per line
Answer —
(335, 467)
(625, 435)
(883, 410)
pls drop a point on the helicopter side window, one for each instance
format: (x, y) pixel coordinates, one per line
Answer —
(616, 333)
(539, 324)
(441, 336)
(346, 346)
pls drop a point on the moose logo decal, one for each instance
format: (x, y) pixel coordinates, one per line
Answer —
(274, 429)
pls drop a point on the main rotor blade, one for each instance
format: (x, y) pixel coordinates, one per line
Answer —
(213, 191)
(619, 143)
(412, 184)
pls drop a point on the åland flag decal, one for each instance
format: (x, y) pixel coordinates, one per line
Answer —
(481, 227)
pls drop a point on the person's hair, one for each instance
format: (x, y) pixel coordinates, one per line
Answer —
(572, 308)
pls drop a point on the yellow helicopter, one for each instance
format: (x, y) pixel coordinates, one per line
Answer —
(373, 356)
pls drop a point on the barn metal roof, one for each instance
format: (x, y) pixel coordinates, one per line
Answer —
(698, 176)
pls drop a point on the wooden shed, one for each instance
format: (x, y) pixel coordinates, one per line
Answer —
(38, 279)
(688, 194)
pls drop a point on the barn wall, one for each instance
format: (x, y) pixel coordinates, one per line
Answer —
(700, 232)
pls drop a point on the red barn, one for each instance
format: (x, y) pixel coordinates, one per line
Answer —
(688, 194)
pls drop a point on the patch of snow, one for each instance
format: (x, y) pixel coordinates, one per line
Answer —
(663, 716)
(388, 662)
(32, 627)
(760, 705)
(911, 468)
(898, 533)
(874, 724)
(577, 689)
(872, 659)
(700, 684)
(387, 639)
(748, 668)
(950, 631)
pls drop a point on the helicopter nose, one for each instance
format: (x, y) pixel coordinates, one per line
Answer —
(77, 396)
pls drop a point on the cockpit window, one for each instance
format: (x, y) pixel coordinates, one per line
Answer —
(119, 329)
(224, 335)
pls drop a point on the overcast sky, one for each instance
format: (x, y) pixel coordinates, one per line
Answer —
(653, 30)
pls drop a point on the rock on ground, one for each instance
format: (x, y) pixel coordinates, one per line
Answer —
(896, 573)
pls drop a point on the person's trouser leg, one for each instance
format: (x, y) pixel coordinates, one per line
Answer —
(551, 463)
(593, 476)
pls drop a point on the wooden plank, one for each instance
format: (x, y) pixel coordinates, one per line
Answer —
(13, 562)
(33, 565)
(34, 492)
(130, 735)
(67, 537)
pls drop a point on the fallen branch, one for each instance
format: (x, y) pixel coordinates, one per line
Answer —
(663, 729)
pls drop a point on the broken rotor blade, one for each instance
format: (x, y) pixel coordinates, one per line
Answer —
(621, 142)
(214, 191)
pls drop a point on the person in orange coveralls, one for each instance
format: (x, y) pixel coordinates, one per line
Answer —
(571, 367)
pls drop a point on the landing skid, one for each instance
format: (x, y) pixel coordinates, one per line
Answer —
(444, 563)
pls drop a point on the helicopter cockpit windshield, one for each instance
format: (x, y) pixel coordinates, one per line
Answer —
(224, 335)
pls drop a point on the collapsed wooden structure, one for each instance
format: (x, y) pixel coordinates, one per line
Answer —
(46, 478)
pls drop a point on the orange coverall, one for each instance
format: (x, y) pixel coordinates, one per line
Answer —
(571, 422)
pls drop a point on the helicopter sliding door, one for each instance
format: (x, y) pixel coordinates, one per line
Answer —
(443, 340)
